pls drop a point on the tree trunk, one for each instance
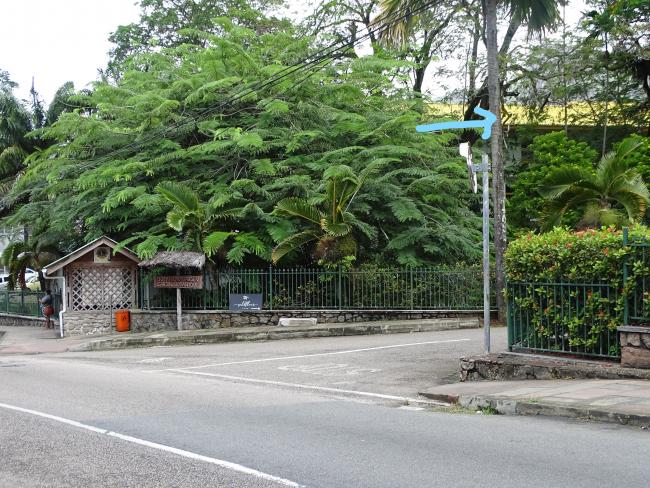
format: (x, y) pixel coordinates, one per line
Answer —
(498, 177)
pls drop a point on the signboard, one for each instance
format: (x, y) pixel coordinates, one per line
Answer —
(252, 301)
(178, 281)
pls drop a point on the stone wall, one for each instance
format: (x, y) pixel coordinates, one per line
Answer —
(90, 323)
(87, 323)
(143, 320)
(22, 320)
(635, 346)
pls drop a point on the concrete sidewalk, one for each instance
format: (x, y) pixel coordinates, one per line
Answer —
(31, 340)
(34, 340)
(618, 401)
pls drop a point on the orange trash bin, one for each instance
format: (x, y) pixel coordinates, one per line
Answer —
(122, 320)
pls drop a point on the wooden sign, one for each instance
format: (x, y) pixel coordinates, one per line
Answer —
(250, 301)
(175, 281)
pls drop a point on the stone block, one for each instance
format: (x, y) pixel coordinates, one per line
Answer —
(288, 321)
(633, 339)
(645, 339)
(635, 357)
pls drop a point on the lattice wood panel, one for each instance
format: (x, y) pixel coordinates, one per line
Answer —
(96, 288)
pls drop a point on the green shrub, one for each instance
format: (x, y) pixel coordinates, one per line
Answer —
(561, 254)
(566, 288)
(548, 153)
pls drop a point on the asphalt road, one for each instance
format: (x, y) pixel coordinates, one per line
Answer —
(340, 412)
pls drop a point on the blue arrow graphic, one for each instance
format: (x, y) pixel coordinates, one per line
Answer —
(485, 123)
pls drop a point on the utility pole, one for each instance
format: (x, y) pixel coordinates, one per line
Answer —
(486, 124)
(484, 168)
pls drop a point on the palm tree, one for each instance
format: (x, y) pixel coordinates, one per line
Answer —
(615, 194)
(35, 253)
(328, 225)
(538, 15)
(198, 222)
(15, 123)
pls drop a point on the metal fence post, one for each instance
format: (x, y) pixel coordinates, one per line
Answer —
(270, 291)
(625, 294)
(411, 284)
(205, 289)
(340, 291)
(509, 317)
(7, 297)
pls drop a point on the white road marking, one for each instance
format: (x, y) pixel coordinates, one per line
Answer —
(161, 447)
(154, 360)
(408, 407)
(310, 387)
(328, 369)
(55, 418)
(351, 351)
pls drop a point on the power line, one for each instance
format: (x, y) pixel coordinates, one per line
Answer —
(312, 65)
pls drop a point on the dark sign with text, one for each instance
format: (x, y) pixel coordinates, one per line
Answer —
(252, 301)
(176, 281)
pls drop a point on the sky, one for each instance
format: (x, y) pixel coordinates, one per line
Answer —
(56, 41)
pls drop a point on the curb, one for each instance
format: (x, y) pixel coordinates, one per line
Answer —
(508, 406)
(518, 366)
(272, 333)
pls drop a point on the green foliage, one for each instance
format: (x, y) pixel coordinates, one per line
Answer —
(35, 253)
(615, 194)
(561, 254)
(549, 152)
(567, 288)
(139, 161)
(639, 159)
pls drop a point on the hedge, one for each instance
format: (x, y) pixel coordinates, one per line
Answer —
(563, 318)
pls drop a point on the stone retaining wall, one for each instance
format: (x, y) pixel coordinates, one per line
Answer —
(635, 346)
(91, 323)
(87, 323)
(518, 366)
(143, 321)
(22, 320)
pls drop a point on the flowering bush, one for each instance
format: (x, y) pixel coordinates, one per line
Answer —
(566, 288)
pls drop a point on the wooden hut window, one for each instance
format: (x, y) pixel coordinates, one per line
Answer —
(101, 288)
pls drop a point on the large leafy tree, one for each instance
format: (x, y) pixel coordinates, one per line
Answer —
(538, 16)
(623, 27)
(15, 123)
(172, 23)
(177, 122)
(615, 194)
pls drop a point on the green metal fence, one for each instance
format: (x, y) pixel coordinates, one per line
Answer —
(25, 302)
(573, 318)
(636, 280)
(318, 289)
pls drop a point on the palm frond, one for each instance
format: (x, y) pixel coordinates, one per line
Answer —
(179, 194)
(292, 243)
(298, 207)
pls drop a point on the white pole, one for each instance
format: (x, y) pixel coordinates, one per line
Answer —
(64, 303)
(486, 253)
(179, 311)
(63, 299)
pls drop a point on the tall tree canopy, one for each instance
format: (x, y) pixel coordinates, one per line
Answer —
(170, 123)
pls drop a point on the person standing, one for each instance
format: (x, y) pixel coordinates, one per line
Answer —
(48, 308)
